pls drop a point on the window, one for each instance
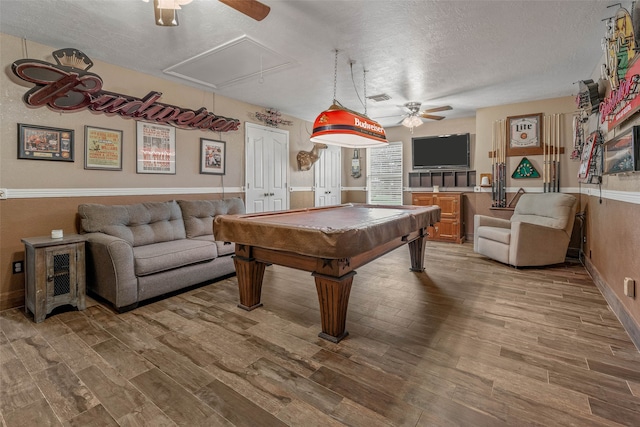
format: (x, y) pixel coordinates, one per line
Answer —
(384, 168)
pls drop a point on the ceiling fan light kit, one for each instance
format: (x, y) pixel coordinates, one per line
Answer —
(411, 121)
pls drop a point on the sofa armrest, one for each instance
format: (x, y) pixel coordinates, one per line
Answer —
(489, 221)
(110, 269)
(533, 244)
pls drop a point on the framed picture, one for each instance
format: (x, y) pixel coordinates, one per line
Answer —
(587, 156)
(622, 153)
(155, 148)
(102, 148)
(524, 135)
(45, 143)
(212, 156)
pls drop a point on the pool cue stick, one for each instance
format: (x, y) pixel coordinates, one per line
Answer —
(499, 166)
(493, 163)
(552, 164)
(558, 154)
(556, 157)
(544, 153)
(555, 143)
(553, 153)
(548, 147)
(503, 131)
(503, 149)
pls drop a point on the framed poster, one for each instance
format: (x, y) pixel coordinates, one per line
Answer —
(45, 143)
(102, 148)
(587, 155)
(622, 153)
(212, 156)
(155, 149)
(524, 135)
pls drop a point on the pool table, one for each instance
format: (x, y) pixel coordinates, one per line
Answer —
(331, 242)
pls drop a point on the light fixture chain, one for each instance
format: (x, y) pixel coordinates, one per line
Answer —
(335, 76)
(364, 77)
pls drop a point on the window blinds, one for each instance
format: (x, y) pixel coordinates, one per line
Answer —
(384, 166)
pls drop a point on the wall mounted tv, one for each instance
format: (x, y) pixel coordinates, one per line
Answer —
(440, 152)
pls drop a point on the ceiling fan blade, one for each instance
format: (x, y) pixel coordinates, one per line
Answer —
(431, 116)
(435, 110)
(252, 8)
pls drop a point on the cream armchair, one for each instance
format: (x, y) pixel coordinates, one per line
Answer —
(537, 234)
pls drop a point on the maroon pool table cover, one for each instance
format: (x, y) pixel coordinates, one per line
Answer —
(333, 232)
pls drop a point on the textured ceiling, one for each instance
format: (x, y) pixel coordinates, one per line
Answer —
(467, 54)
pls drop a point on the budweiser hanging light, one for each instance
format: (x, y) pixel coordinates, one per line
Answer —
(345, 128)
(340, 126)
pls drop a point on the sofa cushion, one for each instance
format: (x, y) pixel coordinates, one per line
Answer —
(497, 234)
(224, 248)
(139, 224)
(157, 257)
(198, 214)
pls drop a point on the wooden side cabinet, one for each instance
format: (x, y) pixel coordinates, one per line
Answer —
(55, 274)
(450, 228)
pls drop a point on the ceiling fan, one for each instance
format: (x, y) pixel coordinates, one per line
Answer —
(414, 117)
(166, 11)
(252, 8)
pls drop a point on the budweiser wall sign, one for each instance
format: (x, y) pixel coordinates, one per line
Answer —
(67, 87)
(622, 70)
(623, 101)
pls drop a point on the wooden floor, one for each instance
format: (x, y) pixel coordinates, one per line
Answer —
(469, 342)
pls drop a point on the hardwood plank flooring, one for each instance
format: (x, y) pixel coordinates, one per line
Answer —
(467, 342)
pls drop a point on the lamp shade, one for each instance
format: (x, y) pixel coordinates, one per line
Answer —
(346, 128)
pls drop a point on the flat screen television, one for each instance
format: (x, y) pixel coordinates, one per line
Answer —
(441, 152)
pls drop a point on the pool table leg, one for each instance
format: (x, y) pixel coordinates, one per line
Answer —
(250, 274)
(416, 251)
(333, 296)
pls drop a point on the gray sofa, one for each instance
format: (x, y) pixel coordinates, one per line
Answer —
(144, 250)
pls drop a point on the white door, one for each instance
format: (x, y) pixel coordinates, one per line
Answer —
(328, 177)
(267, 156)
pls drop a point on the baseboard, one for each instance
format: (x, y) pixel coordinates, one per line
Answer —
(628, 322)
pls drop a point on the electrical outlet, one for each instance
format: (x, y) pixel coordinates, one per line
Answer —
(629, 287)
(18, 267)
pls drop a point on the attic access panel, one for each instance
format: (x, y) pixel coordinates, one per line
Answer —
(229, 63)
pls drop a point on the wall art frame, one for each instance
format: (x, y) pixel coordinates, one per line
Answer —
(524, 135)
(155, 149)
(45, 143)
(622, 152)
(102, 148)
(585, 168)
(213, 156)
